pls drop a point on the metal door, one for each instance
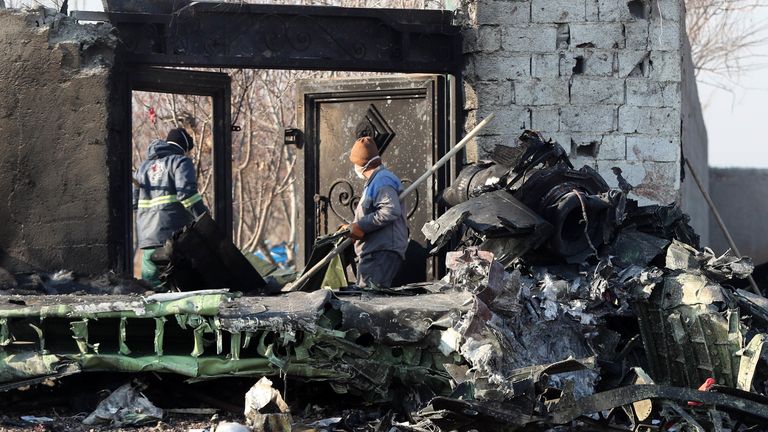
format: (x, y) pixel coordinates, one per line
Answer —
(407, 118)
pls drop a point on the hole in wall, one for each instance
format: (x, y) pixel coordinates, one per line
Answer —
(563, 38)
(638, 9)
(641, 69)
(585, 149)
(580, 65)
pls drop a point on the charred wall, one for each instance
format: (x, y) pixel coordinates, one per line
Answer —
(54, 146)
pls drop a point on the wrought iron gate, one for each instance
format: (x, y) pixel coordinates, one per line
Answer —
(407, 117)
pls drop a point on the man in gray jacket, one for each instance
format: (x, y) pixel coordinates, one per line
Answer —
(165, 196)
(379, 225)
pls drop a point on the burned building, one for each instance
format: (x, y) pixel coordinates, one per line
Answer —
(572, 286)
(610, 81)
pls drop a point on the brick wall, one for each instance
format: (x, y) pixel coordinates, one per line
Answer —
(602, 77)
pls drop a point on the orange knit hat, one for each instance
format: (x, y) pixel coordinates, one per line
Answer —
(363, 151)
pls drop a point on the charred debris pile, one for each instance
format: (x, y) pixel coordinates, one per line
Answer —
(567, 306)
(591, 310)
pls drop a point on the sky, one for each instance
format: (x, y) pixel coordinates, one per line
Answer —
(736, 119)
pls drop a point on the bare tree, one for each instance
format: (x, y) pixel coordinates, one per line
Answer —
(724, 35)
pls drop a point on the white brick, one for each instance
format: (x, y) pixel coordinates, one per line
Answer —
(494, 93)
(592, 10)
(588, 90)
(639, 175)
(597, 35)
(588, 118)
(650, 121)
(509, 120)
(537, 91)
(661, 183)
(636, 35)
(489, 38)
(614, 10)
(545, 118)
(666, 66)
(599, 63)
(653, 182)
(612, 147)
(595, 62)
(629, 61)
(668, 10)
(531, 38)
(501, 66)
(503, 12)
(645, 92)
(658, 149)
(665, 35)
(545, 65)
(558, 10)
(633, 172)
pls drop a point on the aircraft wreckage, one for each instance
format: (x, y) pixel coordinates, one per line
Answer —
(565, 303)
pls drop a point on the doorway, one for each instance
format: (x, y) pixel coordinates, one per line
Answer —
(200, 103)
(268, 37)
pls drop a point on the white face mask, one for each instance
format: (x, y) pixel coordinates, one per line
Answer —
(359, 171)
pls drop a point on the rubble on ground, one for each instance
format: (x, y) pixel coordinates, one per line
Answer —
(567, 306)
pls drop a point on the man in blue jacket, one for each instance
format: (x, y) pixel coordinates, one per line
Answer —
(379, 224)
(165, 196)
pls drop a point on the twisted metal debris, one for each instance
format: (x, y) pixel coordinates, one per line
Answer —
(567, 306)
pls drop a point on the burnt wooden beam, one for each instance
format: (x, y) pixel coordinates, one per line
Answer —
(292, 37)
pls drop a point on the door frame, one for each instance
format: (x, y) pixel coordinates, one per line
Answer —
(200, 34)
(215, 85)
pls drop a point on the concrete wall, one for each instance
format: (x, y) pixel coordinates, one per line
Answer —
(602, 77)
(695, 150)
(54, 176)
(741, 196)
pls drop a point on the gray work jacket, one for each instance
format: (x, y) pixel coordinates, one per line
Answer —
(381, 215)
(167, 198)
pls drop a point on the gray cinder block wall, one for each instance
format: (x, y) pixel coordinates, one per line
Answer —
(741, 196)
(602, 77)
(695, 149)
(54, 176)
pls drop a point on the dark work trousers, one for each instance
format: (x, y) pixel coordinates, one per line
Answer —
(379, 268)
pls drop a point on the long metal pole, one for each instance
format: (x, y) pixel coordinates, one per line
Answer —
(296, 285)
(720, 222)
